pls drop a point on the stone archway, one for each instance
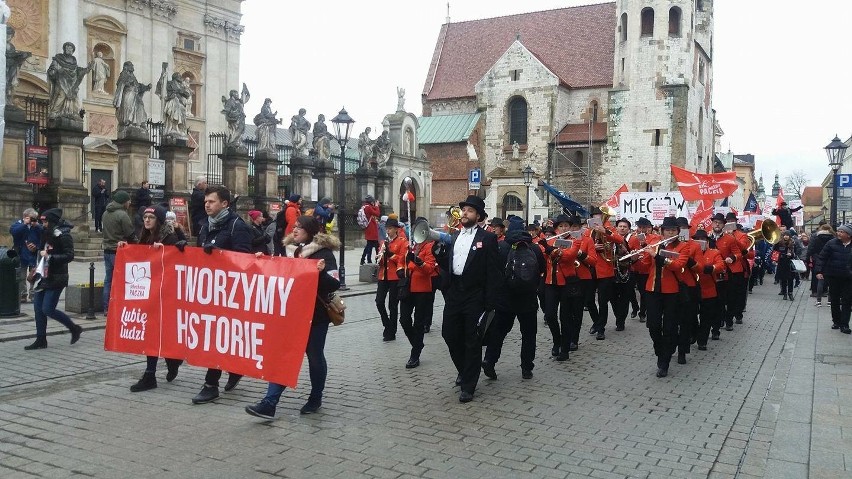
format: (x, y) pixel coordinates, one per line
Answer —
(511, 205)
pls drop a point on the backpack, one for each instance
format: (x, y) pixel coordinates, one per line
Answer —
(521, 272)
(363, 222)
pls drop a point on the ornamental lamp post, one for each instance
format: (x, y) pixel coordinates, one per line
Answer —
(835, 151)
(342, 129)
(528, 176)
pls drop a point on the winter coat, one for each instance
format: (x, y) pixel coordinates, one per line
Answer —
(323, 214)
(786, 254)
(100, 197)
(23, 234)
(834, 259)
(167, 236)
(142, 197)
(513, 300)
(232, 235)
(291, 213)
(260, 240)
(816, 244)
(322, 247)
(196, 210)
(785, 215)
(117, 226)
(371, 232)
(60, 250)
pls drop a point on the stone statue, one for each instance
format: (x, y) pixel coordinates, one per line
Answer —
(266, 123)
(408, 143)
(322, 139)
(65, 77)
(299, 127)
(188, 100)
(383, 149)
(100, 73)
(14, 60)
(129, 107)
(365, 147)
(233, 109)
(400, 101)
(516, 150)
(174, 95)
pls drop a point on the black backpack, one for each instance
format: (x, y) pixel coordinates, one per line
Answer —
(522, 273)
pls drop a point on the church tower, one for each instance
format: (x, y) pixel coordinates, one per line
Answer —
(660, 107)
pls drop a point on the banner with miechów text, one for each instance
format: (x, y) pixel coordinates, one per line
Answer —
(224, 310)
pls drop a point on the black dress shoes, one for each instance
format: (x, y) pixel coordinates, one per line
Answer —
(681, 358)
(562, 357)
(572, 347)
(600, 336)
(702, 347)
(76, 331)
(845, 330)
(526, 373)
(833, 326)
(554, 351)
(620, 327)
(40, 343)
(465, 396)
(488, 370)
(662, 372)
(412, 363)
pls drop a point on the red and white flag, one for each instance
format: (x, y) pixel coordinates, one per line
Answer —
(699, 186)
(614, 201)
(702, 217)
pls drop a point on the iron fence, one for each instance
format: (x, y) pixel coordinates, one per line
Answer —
(155, 135)
(35, 111)
(214, 163)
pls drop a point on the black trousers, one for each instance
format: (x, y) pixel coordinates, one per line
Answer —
(213, 375)
(569, 300)
(840, 295)
(709, 319)
(384, 290)
(462, 310)
(688, 317)
(503, 323)
(371, 247)
(588, 288)
(736, 297)
(606, 295)
(662, 324)
(421, 305)
(621, 295)
(641, 281)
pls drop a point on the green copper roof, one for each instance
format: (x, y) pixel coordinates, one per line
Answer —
(446, 128)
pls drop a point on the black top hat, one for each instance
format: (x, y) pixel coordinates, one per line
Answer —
(497, 222)
(731, 216)
(476, 203)
(718, 217)
(595, 211)
(393, 223)
(682, 222)
(643, 222)
(700, 234)
(561, 219)
(669, 222)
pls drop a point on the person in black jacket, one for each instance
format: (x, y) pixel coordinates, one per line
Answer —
(59, 251)
(786, 249)
(196, 205)
(785, 214)
(306, 241)
(514, 303)
(816, 244)
(223, 229)
(260, 240)
(100, 198)
(833, 265)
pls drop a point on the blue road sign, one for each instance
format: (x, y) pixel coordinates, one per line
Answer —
(844, 181)
(474, 179)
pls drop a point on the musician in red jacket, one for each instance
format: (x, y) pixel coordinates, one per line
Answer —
(688, 279)
(643, 237)
(663, 294)
(559, 263)
(732, 250)
(710, 313)
(585, 270)
(419, 267)
(607, 240)
(391, 258)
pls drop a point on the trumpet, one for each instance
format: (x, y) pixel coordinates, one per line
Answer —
(657, 245)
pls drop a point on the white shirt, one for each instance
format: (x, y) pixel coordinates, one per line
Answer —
(461, 248)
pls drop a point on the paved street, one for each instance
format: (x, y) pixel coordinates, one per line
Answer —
(768, 400)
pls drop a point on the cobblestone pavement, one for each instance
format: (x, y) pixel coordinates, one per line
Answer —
(769, 399)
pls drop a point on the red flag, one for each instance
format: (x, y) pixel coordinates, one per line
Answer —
(778, 200)
(702, 216)
(699, 186)
(614, 201)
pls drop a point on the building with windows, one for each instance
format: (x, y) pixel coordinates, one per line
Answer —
(589, 97)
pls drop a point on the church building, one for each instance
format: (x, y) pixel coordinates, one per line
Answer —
(589, 97)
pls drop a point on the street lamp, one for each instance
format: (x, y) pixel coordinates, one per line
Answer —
(835, 150)
(528, 175)
(342, 128)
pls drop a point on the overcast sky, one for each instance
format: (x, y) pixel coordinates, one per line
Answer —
(777, 79)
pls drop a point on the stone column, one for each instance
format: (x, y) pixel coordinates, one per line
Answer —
(235, 163)
(133, 154)
(365, 182)
(266, 180)
(384, 180)
(17, 195)
(301, 172)
(175, 154)
(325, 172)
(66, 190)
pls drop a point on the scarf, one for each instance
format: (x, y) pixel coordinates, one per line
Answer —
(215, 222)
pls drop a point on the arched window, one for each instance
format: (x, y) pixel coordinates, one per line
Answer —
(674, 21)
(579, 162)
(108, 56)
(194, 104)
(624, 27)
(518, 121)
(647, 21)
(593, 111)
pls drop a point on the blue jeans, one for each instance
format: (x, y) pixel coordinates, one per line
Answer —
(109, 265)
(44, 304)
(317, 367)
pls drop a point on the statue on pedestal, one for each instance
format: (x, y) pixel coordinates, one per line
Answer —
(233, 109)
(365, 147)
(100, 73)
(188, 100)
(129, 107)
(400, 101)
(516, 149)
(266, 123)
(174, 95)
(299, 127)
(65, 77)
(14, 60)
(383, 149)
(322, 139)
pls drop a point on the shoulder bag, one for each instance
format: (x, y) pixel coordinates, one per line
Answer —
(335, 307)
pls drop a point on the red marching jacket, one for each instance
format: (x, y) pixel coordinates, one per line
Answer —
(662, 279)
(559, 262)
(708, 281)
(730, 247)
(689, 274)
(421, 276)
(639, 267)
(587, 264)
(393, 258)
(603, 267)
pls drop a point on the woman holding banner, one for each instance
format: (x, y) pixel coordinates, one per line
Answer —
(156, 232)
(307, 242)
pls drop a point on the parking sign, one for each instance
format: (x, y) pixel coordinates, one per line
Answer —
(474, 179)
(844, 181)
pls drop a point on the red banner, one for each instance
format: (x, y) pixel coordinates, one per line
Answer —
(699, 186)
(615, 200)
(701, 218)
(224, 310)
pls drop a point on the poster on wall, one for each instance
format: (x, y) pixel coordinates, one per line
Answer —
(179, 208)
(37, 165)
(654, 205)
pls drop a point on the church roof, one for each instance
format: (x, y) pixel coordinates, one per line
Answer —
(446, 128)
(579, 133)
(812, 196)
(576, 43)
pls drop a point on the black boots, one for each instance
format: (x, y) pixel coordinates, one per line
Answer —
(40, 343)
(173, 365)
(75, 333)
(148, 381)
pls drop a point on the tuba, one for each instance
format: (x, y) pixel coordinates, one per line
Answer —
(608, 253)
(768, 232)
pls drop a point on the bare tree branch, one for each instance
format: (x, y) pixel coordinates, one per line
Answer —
(796, 182)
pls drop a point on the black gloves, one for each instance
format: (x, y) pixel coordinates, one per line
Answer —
(582, 255)
(208, 248)
(418, 261)
(660, 260)
(690, 263)
(410, 256)
(180, 245)
(708, 269)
